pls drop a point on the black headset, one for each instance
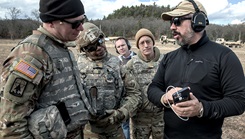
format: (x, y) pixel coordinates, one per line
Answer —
(199, 19)
(127, 43)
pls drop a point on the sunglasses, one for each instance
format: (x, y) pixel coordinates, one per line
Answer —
(177, 20)
(74, 24)
(94, 46)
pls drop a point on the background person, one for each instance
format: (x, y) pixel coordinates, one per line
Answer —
(123, 47)
(212, 71)
(113, 93)
(40, 79)
(148, 120)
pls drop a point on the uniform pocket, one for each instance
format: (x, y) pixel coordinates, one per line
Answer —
(199, 70)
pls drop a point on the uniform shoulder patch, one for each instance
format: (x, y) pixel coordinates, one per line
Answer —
(18, 87)
(26, 69)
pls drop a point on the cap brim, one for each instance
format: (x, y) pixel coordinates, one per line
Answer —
(174, 13)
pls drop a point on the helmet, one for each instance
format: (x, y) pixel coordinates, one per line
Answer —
(89, 35)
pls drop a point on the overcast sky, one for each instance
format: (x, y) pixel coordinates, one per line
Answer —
(221, 12)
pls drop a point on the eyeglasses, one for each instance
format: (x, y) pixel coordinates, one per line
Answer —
(94, 46)
(177, 20)
(74, 24)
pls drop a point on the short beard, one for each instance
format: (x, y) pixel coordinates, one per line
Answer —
(186, 39)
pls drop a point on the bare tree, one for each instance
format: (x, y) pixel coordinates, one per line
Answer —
(35, 13)
(14, 13)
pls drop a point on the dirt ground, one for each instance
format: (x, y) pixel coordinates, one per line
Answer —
(233, 128)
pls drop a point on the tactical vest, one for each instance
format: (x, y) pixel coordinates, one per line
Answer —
(144, 72)
(65, 84)
(103, 82)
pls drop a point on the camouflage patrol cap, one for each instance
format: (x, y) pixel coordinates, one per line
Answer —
(89, 35)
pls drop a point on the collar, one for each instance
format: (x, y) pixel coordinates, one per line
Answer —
(121, 57)
(156, 55)
(130, 55)
(204, 39)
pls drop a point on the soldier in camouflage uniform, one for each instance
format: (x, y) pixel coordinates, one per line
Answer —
(41, 92)
(123, 47)
(113, 93)
(149, 119)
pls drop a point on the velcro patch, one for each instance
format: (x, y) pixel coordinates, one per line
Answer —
(26, 69)
(91, 36)
(18, 87)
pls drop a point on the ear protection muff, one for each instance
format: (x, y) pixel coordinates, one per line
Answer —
(127, 43)
(117, 50)
(199, 19)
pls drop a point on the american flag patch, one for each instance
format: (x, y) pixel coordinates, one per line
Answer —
(26, 69)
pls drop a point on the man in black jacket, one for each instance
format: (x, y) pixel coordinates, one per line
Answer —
(212, 72)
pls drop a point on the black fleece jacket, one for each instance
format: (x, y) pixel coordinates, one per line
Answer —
(216, 78)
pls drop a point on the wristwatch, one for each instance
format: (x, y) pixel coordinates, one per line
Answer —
(200, 112)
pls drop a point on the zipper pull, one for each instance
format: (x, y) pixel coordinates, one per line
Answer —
(190, 61)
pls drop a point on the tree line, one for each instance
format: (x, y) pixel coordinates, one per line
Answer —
(125, 21)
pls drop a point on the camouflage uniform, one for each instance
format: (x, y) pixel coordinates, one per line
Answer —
(149, 118)
(39, 74)
(113, 93)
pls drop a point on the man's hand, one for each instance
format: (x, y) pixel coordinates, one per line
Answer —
(188, 108)
(167, 97)
(116, 116)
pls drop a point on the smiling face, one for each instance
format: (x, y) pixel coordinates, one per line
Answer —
(98, 52)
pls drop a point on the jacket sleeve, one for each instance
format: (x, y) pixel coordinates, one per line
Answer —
(233, 87)
(132, 98)
(157, 87)
(21, 77)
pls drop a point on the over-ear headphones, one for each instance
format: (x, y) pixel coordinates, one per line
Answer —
(127, 43)
(199, 19)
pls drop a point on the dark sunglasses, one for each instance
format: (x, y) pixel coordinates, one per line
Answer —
(177, 20)
(94, 46)
(74, 24)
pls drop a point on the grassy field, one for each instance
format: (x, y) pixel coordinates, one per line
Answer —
(233, 128)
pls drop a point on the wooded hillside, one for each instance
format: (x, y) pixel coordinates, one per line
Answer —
(125, 21)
